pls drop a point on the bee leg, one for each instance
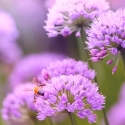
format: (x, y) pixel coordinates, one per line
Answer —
(35, 98)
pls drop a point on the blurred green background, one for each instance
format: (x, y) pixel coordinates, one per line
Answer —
(29, 16)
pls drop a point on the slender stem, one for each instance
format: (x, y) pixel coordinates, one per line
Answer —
(71, 118)
(105, 117)
(50, 121)
(35, 121)
(123, 59)
(74, 119)
(32, 122)
(83, 37)
(80, 46)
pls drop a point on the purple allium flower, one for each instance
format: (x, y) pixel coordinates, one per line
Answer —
(107, 36)
(73, 93)
(8, 30)
(122, 92)
(19, 104)
(66, 67)
(67, 16)
(10, 52)
(31, 66)
(116, 115)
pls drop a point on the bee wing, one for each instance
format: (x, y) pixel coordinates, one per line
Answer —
(35, 81)
(28, 89)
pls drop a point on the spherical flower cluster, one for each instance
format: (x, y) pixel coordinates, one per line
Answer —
(73, 94)
(8, 30)
(116, 114)
(27, 68)
(66, 67)
(67, 16)
(9, 50)
(18, 105)
(107, 36)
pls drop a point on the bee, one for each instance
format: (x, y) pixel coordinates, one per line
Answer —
(37, 89)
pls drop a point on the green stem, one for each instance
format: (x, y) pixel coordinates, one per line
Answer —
(83, 37)
(74, 119)
(105, 117)
(50, 121)
(71, 118)
(35, 121)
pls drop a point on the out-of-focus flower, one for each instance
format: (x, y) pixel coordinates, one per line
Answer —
(8, 30)
(115, 4)
(9, 52)
(31, 66)
(18, 105)
(64, 21)
(116, 115)
(66, 67)
(30, 16)
(107, 36)
(74, 94)
(49, 3)
(122, 93)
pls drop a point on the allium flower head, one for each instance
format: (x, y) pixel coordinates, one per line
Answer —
(116, 115)
(10, 52)
(31, 66)
(8, 28)
(67, 16)
(74, 94)
(19, 104)
(107, 36)
(66, 67)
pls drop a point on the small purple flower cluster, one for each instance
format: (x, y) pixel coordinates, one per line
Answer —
(64, 21)
(66, 67)
(73, 93)
(69, 88)
(18, 105)
(31, 66)
(107, 36)
(8, 30)
(9, 50)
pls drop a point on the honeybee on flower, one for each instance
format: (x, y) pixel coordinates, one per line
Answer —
(37, 89)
